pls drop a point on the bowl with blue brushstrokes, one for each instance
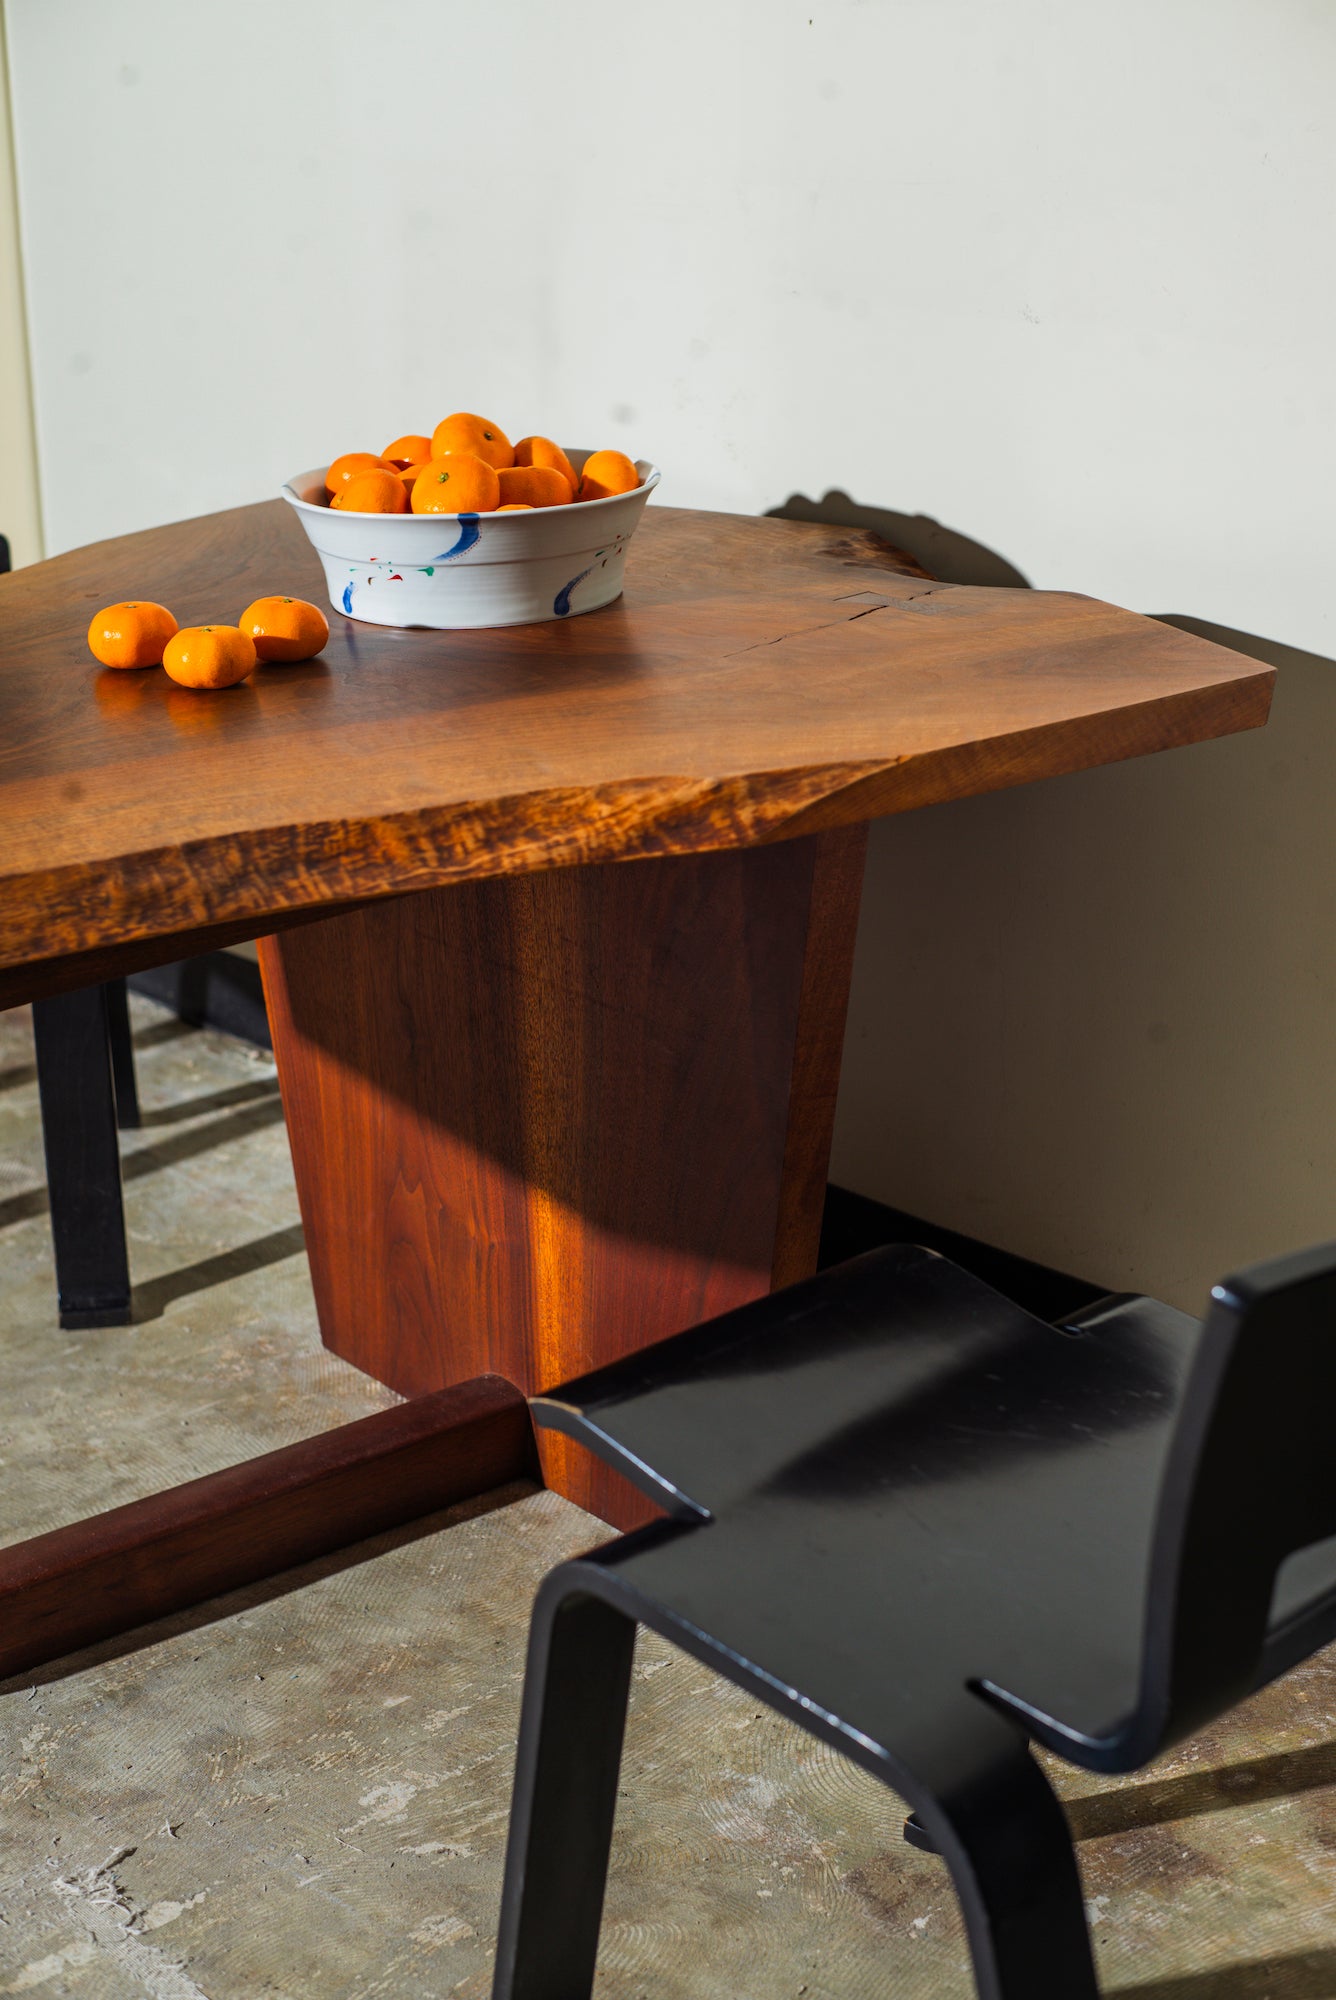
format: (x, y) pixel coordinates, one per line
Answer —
(456, 572)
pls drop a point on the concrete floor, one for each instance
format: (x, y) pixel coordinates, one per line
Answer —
(302, 1791)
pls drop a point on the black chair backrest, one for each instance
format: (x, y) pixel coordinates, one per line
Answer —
(1251, 1478)
(4, 556)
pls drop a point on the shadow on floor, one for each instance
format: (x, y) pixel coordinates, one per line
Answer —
(1300, 1975)
(161, 1031)
(1288, 1771)
(151, 1299)
(144, 1038)
(146, 1160)
(186, 1145)
(943, 552)
(216, 1100)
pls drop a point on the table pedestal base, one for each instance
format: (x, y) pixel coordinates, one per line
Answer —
(539, 1121)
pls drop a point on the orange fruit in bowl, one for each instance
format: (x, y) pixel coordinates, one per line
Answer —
(457, 483)
(209, 656)
(408, 473)
(540, 485)
(514, 507)
(130, 635)
(542, 451)
(380, 491)
(284, 628)
(485, 440)
(411, 449)
(350, 465)
(606, 473)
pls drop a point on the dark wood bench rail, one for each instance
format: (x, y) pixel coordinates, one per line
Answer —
(102, 1576)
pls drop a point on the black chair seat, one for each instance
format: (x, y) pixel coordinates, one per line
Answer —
(966, 1475)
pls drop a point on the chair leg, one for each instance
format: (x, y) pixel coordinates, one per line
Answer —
(122, 1055)
(1001, 1831)
(569, 1756)
(83, 1165)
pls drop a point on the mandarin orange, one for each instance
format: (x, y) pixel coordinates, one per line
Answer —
(378, 492)
(209, 656)
(131, 635)
(540, 485)
(285, 628)
(463, 432)
(605, 473)
(457, 483)
(542, 451)
(514, 507)
(411, 449)
(350, 465)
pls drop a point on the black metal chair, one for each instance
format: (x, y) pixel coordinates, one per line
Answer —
(928, 1527)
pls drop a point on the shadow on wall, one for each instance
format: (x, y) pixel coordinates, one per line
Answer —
(949, 556)
(1093, 1019)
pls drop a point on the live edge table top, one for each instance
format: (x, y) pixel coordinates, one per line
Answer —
(759, 679)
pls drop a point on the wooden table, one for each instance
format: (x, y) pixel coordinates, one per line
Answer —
(560, 918)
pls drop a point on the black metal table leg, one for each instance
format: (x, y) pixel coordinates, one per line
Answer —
(122, 1055)
(83, 1166)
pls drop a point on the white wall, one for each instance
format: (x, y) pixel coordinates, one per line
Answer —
(1094, 1020)
(20, 521)
(1060, 274)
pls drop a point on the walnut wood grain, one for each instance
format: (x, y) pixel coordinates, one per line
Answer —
(818, 1044)
(104, 1575)
(745, 689)
(540, 1121)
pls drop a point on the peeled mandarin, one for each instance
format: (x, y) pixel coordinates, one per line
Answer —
(540, 485)
(131, 635)
(284, 628)
(457, 483)
(606, 473)
(209, 656)
(348, 467)
(378, 492)
(542, 451)
(484, 439)
(411, 449)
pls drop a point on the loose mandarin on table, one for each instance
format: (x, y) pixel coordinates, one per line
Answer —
(380, 491)
(285, 628)
(478, 435)
(542, 451)
(411, 449)
(350, 465)
(457, 483)
(130, 635)
(606, 473)
(540, 485)
(209, 656)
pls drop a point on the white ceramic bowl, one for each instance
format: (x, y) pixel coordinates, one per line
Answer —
(452, 571)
